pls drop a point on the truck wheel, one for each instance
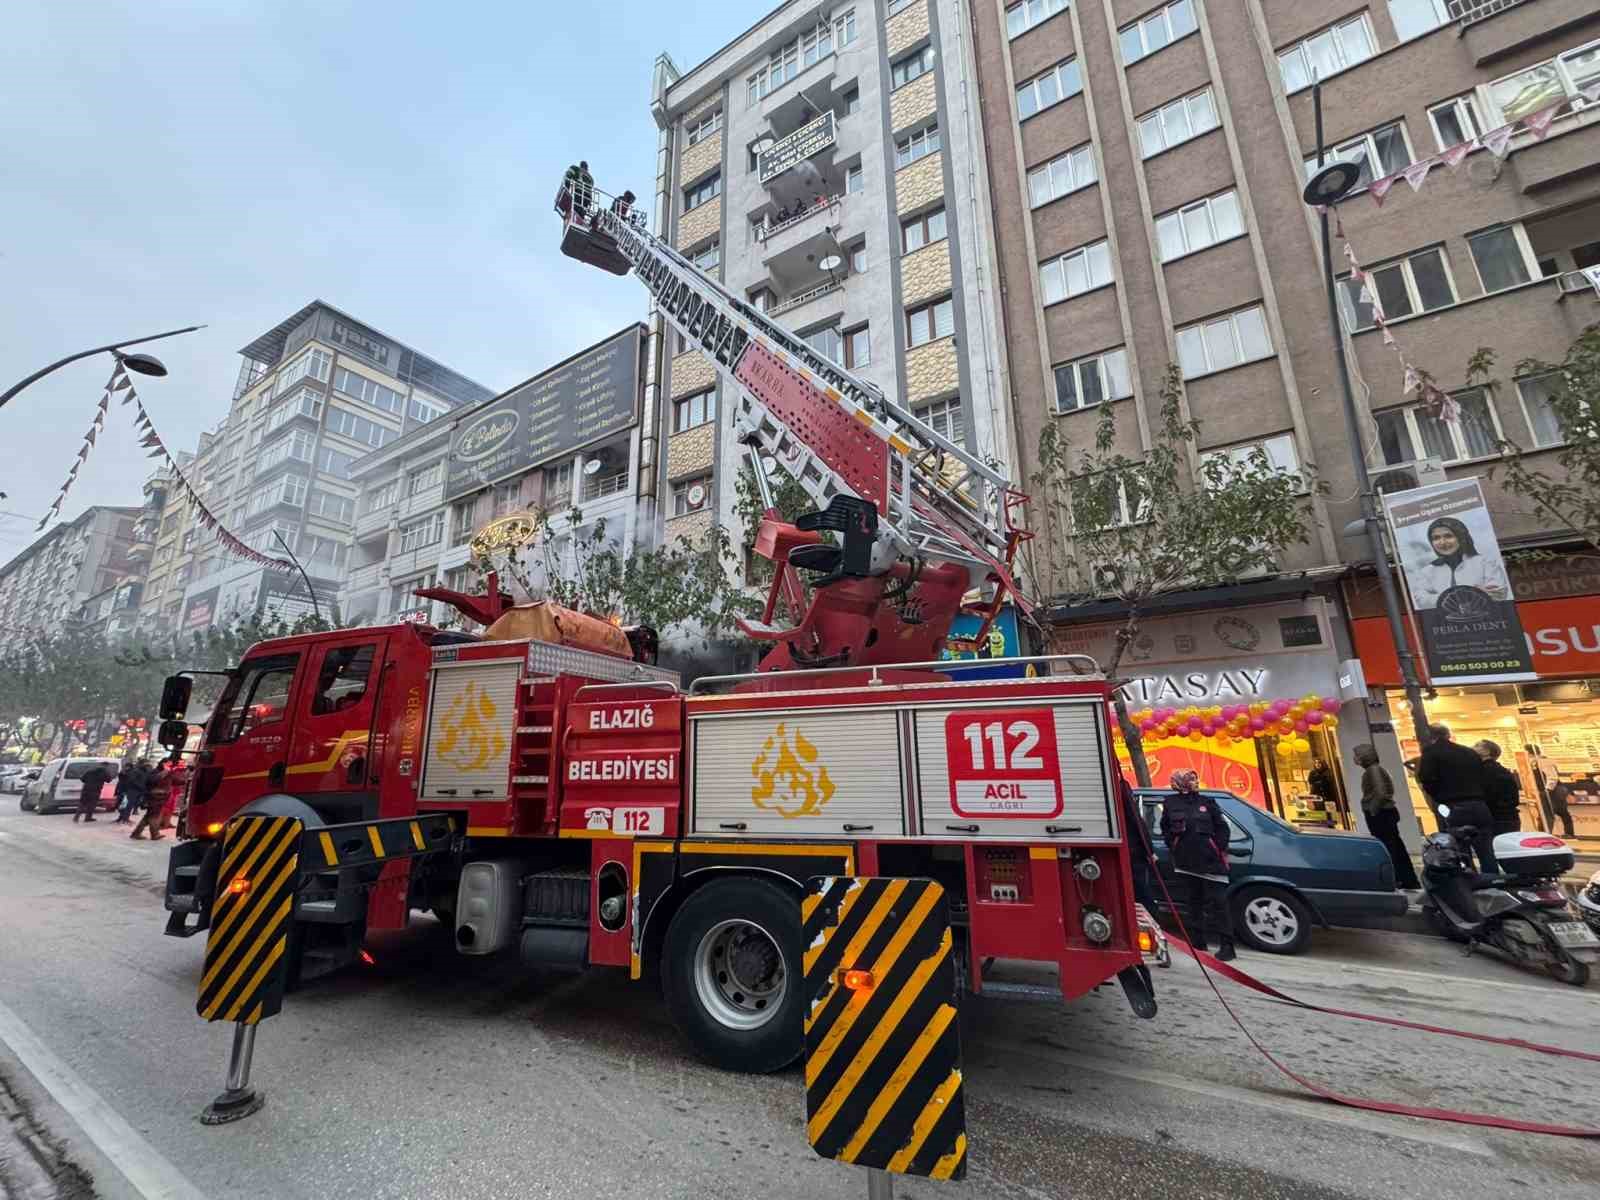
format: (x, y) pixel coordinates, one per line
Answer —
(732, 975)
(1270, 919)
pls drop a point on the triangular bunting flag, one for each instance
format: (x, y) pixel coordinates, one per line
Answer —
(1592, 92)
(1412, 379)
(158, 452)
(1388, 338)
(1498, 141)
(1357, 273)
(105, 401)
(1416, 173)
(1350, 255)
(1454, 156)
(150, 439)
(1539, 122)
(119, 381)
(1380, 188)
(88, 438)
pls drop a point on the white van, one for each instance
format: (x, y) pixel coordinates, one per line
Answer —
(61, 783)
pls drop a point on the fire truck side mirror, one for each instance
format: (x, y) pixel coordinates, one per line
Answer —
(175, 691)
(173, 734)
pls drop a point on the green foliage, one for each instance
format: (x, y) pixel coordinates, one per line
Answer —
(1570, 497)
(790, 500)
(1109, 526)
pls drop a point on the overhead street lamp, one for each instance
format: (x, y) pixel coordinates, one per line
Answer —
(1331, 184)
(140, 364)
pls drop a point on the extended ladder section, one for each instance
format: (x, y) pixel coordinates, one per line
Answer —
(830, 430)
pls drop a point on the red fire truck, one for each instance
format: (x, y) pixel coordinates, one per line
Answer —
(571, 802)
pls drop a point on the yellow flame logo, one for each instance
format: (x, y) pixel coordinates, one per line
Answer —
(788, 779)
(465, 732)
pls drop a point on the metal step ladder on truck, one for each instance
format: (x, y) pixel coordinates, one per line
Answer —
(557, 797)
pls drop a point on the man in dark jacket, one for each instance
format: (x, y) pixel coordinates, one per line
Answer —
(1197, 838)
(1453, 776)
(95, 778)
(1502, 790)
(133, 788)
(1383, 816)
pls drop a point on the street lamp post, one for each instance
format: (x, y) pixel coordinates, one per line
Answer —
(1331, 184)
(142, 364)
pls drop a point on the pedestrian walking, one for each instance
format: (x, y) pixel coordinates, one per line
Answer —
(164, 794)
(133, 789)
(1545, 776)
(1138, 846)
(94, 779)
(1453, 776)
(1383, 815)
(1558, 805)
(1197, 837)
(1502, 790)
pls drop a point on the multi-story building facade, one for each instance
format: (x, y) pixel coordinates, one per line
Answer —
(47, 587)
(1147, 161)
(827, 166)
(315, 393)
(575, 445)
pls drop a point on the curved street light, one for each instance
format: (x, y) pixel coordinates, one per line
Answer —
(142, 364)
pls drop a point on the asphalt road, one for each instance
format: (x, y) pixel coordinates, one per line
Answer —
(430, 1075)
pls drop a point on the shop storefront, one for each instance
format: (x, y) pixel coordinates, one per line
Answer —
(1552, 725)
(1250, 697)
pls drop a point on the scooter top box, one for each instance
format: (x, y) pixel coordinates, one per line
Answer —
(1533, 855)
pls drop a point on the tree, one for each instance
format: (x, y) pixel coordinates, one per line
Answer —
(1571, 387)
(788, 497)
(1110, 526)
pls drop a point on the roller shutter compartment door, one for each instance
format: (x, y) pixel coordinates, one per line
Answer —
(472, 719)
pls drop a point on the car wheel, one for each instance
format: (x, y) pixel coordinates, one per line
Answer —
(1272, 920)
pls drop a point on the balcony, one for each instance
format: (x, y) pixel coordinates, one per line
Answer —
(801, 299)
(598, 487)
(1522, 26)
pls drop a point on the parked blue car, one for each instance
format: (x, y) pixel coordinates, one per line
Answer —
(1283, 880)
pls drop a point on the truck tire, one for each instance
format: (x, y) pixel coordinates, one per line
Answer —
(732, 975)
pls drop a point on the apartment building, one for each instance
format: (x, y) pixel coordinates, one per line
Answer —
(568, 439)
(47, 587)
(1147, 162)
(315, 393)
(827, 166)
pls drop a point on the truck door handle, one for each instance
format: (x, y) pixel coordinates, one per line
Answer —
(1063, 828)
(446, 791)
(275, 774)
(732, 825)
(483, 791)
(856, 828)
(962, 828)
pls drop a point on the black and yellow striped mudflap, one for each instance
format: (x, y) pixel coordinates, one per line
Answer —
(247, 946)
(883, 1046)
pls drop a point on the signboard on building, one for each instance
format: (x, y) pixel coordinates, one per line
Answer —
(1000, 642)
(200, 609)
(809, 139)
(1459, 587)
(587, 398)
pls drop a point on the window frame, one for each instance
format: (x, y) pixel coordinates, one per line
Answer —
(424, 532)
(851, 359)
(1441, 14)
(1049, 8)
(1235, 450)
(1530, 263)
(1158, 115)
(1336, 39)
(712, 181)
(1368, 142)
(706, 402)
(1180, 215)
(703, 128)
(1089, 257)
(1232, 317)
(1521, 383)
(856, 256)
(1165, 13)
(950, 411)
(1104, 376)
(1062, 94)
(1349, 297)
(918, 144)
(923, 222)
(1071, 157)
(930, 308)
(924, 58)
(1491, 107)
(680, 495)
(855, 180)
(1452, 430)
(1464, 105)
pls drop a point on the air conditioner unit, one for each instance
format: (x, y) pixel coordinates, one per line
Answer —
(1417, 474)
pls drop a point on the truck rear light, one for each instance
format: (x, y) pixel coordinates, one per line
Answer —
(214, 828)
(239, 885)
(1147, 942)
(857, 981)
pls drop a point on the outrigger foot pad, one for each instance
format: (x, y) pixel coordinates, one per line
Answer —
(233, 1105)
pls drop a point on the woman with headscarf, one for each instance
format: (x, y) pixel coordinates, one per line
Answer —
(1197, 838)
(1455, 563)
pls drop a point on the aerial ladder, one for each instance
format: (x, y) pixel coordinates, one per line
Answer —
(922, 529)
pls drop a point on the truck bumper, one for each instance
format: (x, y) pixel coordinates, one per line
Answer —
(191, 886)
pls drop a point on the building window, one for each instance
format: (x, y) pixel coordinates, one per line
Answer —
(944, 418)
(695, 410)
(919, 231)
(852, 102)
(782, 66)
(913, 66)
(313, 364)
(297, 446)
(421, 533)
(291, 490)
(1381, 152)
(1089, 381)
(1067, 173)
(1411, 433)
(1198, 225)
(1327, 53)
(1413, 18)
(700, 130)
(916, 145)
(1279, 451)
(386, 496)
(1224, 342)
(558, 483)
(707, 189)
(1503, 257)
(826, 341)
(1156, 31)
(1077, 271)
(1108, 500)
(506, 497)
(421, 412)
(463, 520)
(316, 548)
(335, 462)
(429, 477)
(347, 424)
(331, 507)
(857, 255)
(929, 322)
(1175, 123)
(709, 258)
(1535, 392)
(1417, 283)
(1455, 121)
(359, 387)
(1534, 87)
(690, 495)
(304, 403)
(899, 6)
(854, 180)
(857, 347)
(761, 299)
(1022, 17)
(1060, 82)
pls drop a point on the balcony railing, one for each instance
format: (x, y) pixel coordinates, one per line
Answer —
(1469, 12)
(605, 485)
(805, 297)
(770, 228)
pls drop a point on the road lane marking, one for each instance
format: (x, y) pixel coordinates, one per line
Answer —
(1316, 1110)
(151, 1175)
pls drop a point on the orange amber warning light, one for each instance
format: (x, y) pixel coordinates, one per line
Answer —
(238, 885)
(858, 981)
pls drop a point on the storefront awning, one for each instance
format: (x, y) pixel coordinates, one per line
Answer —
(1257, 591)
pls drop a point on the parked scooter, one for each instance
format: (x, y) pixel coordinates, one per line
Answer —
(1521, 912)
(1589, 903)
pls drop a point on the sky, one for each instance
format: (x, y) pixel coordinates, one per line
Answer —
(224, 162)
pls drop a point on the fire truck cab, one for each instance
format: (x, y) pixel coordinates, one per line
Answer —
(602, 815)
